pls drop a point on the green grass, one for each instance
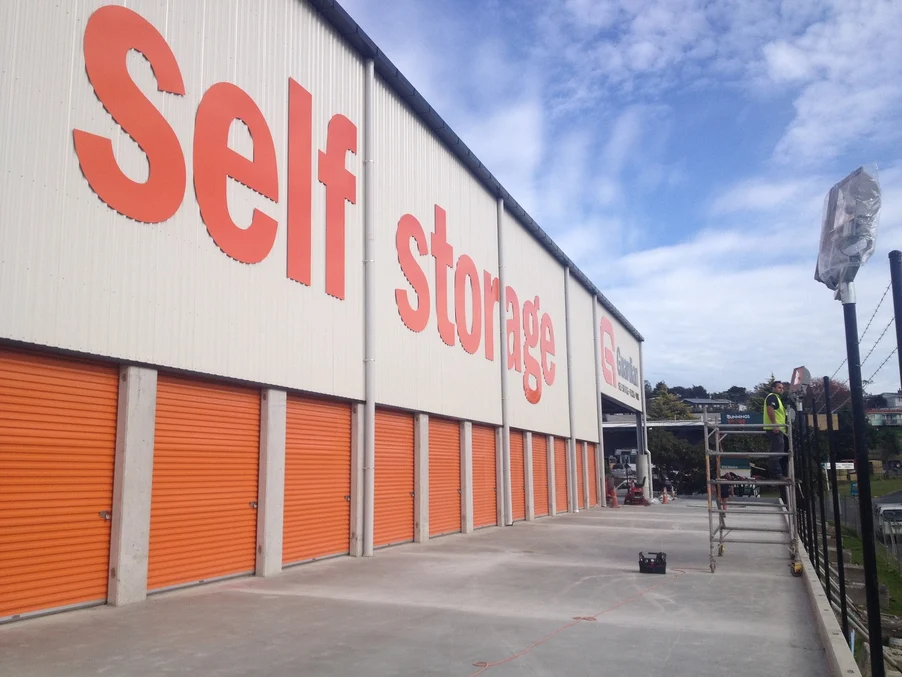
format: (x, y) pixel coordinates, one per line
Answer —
(886, 573)
(879, 486)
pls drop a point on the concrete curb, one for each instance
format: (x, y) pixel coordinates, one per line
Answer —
(839, 655)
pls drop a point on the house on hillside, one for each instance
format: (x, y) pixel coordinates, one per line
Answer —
(884, 409)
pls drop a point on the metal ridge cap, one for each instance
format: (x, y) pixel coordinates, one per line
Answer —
(349, 29)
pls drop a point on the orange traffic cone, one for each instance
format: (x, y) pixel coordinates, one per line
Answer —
(664, 496)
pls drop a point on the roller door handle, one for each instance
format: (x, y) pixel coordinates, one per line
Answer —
(253, 504)
(412, 495)
(105, 514)
(348, 498)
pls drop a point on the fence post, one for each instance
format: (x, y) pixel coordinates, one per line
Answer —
(800, 495)
(809, 499)
(820, 497)
(838, 520)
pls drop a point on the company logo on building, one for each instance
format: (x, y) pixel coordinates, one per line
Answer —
(613, 364)
(626, 369)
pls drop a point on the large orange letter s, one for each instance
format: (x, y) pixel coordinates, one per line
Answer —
(415, 319)
(111, 33)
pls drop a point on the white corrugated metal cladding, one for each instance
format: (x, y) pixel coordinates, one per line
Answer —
(193, 194)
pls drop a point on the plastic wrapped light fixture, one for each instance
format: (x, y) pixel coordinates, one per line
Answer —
(848, 227)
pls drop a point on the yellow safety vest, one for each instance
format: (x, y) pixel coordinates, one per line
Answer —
(779, 414)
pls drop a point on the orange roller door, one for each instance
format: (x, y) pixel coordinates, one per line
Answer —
(518, 476)
(485, 506)
(317, 479)
(540, 473)
(593, 477)
(57, 450)
(580, 477)
(394, 478)
(203, 517)
(444, 476)
(560, 475)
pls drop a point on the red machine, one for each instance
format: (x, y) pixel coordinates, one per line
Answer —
(634, 495)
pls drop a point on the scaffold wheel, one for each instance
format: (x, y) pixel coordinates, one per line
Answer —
(713, 566)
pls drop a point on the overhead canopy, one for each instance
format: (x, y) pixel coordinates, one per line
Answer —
(701, 401)
(611, 406)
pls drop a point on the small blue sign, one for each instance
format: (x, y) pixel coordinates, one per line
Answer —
(853, 488)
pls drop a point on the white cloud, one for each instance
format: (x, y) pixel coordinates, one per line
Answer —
(849, 65)
(831, 117)
(756, 195)
(786, 62)
(509, 139)
(624, 133)
(592, 13)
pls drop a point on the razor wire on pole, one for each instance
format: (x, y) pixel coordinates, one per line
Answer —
(868, 326)
(880, 338)
(871, 377)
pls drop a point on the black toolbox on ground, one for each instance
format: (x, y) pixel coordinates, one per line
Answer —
(654, 563)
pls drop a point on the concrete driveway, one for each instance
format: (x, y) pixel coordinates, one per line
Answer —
(559, 596)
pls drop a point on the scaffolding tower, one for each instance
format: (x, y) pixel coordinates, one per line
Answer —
(720, 531)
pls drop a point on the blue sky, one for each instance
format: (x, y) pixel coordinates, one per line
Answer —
(679, 151)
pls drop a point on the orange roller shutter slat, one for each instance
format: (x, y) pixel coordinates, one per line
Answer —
(485, 512)
(317, 517)
(394, 478)
(444, 476)
(57, 454)
(203, 523)
(540, 473)
(518, 475)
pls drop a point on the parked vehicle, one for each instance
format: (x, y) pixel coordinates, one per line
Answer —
(888, 521)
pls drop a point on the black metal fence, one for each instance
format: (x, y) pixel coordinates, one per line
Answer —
(888, 529)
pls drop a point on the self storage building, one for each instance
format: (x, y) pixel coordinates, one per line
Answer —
(259, 305)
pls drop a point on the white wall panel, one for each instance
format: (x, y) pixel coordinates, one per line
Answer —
(76, 274)
(534, 274)
(621, 378)
(585, 409)
(415, 367)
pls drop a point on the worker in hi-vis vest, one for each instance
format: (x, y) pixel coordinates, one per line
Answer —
(775, 426)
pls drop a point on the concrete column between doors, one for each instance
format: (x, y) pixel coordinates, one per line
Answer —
(271, 482)
(499, 476)
(355, 546)
(599, 485)
(585, 453)
(552, 490)
(571, 475)
(466, 477)
(132, 481)
(421, 479)
(527, 467)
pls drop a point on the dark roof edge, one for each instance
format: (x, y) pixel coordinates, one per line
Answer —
(336, 15)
